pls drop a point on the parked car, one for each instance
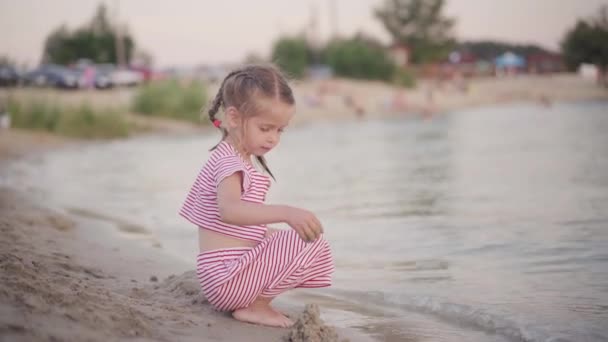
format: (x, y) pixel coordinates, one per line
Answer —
(41, 76)
(9, 77)
(108, 75)
(51, 75)
(103, 80)
(126, 77)
(103, 76)
(146, 72)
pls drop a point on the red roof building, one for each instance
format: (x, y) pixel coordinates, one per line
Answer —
(542, 63)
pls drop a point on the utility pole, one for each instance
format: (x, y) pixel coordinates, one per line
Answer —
(333, 17)
(313, 33)
(118, 39)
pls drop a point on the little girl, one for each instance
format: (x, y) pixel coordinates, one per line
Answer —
(243, 265)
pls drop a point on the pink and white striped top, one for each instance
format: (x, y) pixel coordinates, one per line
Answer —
(201, 207)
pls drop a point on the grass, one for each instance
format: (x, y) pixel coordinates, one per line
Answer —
(83, 121)
(171, 99)
(404, 78)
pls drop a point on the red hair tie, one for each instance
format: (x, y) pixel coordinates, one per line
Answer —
(217, 123)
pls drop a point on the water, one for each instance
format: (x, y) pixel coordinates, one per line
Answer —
(488, 224)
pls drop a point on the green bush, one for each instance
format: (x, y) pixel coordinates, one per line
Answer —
(404, 78)
(171, 99)
(360, 58)
(85, 122)
(82, 122)
(292, 55)
(38, 114)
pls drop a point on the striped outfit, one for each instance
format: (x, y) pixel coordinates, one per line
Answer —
(232, 278)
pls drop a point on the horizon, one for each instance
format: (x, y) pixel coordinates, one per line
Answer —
(190, 42)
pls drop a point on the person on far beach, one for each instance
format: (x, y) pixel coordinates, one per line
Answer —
(243, 264)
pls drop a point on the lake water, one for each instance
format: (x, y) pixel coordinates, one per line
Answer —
(483, 225)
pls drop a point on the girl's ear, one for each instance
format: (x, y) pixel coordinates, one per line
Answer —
(233, 117)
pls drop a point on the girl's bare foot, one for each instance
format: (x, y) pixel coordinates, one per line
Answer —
(262, 313)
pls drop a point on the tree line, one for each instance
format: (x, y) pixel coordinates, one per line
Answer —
(420, 25)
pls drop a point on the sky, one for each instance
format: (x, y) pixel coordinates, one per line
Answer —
(194, 32)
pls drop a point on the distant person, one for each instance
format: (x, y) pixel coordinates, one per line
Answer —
(359, 112)
(313, 100)
(427, 113)
(355, 106)
(5, 118)
(89, 77)
(348, 100)
(399, 101)
(243, 264)
(430, 95)
(544, 101)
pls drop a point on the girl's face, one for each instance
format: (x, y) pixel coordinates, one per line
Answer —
(261, 132)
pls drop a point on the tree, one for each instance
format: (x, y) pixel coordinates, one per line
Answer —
(6, 60)
(292, 55)
(54, 47)
(587, 42)
(254, 58)
(420, 25)
(359, 57)
(96, 41)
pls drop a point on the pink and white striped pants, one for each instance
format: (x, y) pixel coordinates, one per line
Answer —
(233, 278)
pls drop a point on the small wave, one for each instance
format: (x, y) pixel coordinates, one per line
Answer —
(455, 313)
(419, 265)
(471, 316)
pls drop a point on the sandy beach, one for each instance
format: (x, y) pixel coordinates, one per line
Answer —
(66, 280)
(377, 99)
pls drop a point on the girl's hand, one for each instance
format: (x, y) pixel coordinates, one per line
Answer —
(305, 223)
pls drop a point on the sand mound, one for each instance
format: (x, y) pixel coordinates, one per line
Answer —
(183, 286)
(310, 328)
(183, 290)
(55, 291)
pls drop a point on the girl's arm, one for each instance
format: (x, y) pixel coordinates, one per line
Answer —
(242, 213)
(235, 211)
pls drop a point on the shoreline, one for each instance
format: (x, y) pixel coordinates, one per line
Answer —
(72, 279)
(69, 278)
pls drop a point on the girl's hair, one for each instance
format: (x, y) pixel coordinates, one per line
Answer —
(241, 87)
